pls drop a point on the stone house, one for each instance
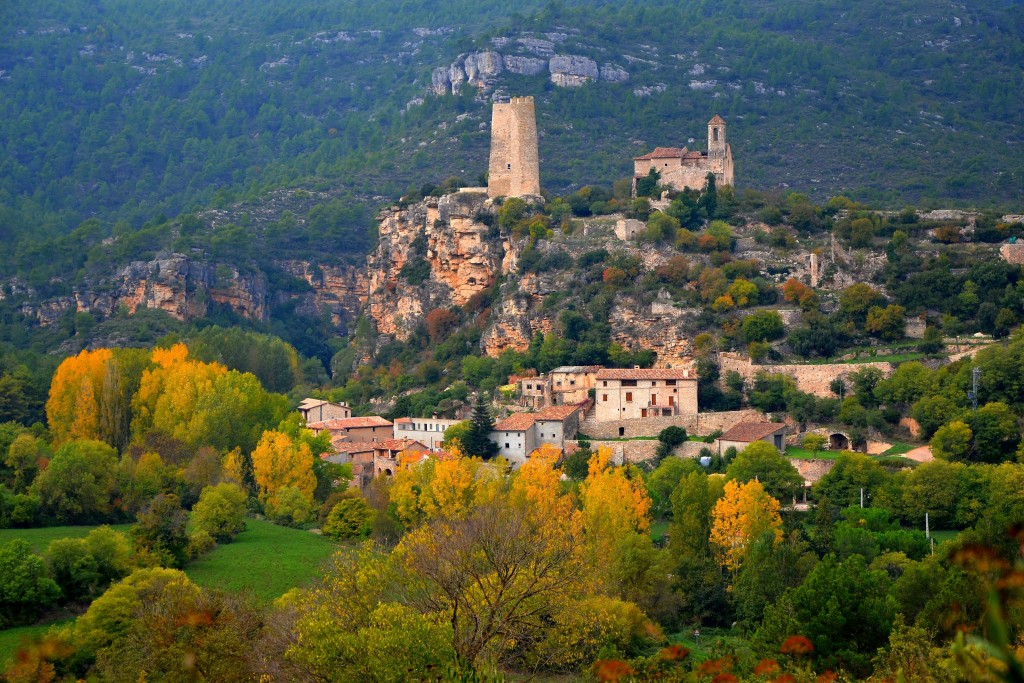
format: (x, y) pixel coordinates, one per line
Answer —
(369, 428)
(428, 431)
(571, 384)
(742, 434)
(385, 454)
(316, 410)
(623, 394)
(359, 454)
(534, 392)
(520, 434)
(680, 168)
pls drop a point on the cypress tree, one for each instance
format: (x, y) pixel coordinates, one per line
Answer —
(477, 441)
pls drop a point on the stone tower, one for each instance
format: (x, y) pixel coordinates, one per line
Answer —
(719, 152)
(514, 170)
(716, 137)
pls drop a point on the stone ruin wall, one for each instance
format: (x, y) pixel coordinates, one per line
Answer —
(813, 379)
(699, 423)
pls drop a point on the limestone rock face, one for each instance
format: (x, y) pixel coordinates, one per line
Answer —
(481, 67)
(340, 290)
(572, 71)
(614, 74)
(447, 240)
(525, 66)
(173, 283)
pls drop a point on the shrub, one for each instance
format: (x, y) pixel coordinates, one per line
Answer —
(25, 587)
(220, 512)
(350, 519)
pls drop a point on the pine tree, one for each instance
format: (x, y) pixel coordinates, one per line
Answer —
(478, 441)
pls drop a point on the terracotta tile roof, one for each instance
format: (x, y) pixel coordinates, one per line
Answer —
(751, 431)
(642, 373)
(716, 119)
(559, 413)
(399, 445)
(308, 403)
(663, 153)
(354, 446)
(516, 422)
(351, 423)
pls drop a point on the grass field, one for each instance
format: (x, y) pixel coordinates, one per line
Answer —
(11, 638)
(804, 454)
(39, 539)
(265, 558)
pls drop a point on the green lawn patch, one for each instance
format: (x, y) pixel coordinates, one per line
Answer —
(804, 454)
(40, 538)
(941, 536)
(10, 639)
(659, 528)
(898, 449)
(265, 558)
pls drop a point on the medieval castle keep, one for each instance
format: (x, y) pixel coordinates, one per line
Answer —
(514, 170)
(681, 168)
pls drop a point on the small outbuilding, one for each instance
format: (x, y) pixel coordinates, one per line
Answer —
(742, 434)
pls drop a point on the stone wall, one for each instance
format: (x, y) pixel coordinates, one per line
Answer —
(1013, 253)
(700, 423)
(813, 379)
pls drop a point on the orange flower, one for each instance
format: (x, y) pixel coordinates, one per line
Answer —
(765, 667)
(714, 666)
(675, 653)
(612, 670)
(797, 645)
(827, 677)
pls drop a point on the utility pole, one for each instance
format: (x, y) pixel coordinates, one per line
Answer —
(862, 496)
(973, 394)
(927, 532)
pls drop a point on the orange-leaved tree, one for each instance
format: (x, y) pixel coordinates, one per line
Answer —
(73, 409)
(741, 516)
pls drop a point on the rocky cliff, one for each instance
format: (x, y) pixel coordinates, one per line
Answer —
(435, 254)
(481, 69)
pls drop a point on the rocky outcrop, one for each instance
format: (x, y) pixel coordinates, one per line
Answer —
(342, 291)
(480, 69)
(174, 283)
(525, 66)
(572, 71)
(452, 253)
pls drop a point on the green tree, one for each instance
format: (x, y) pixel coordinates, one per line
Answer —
(851, 473)
(762, 326)
(770, 570)
(843, 608)
(995, 432)
(160, 531)
(26, 588)
(952, 441)
(478, 439)
(220, 512)
(856, 300)
(78, 485)
(763, 462)
(813, 443)
(888, 323)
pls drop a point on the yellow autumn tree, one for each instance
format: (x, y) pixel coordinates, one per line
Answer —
(170, 392)
(278, 463)
(73, 408)
(447, 487)
(614, 506)
(743, 514)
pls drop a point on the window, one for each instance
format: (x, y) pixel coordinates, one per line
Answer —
(670, 383)
(629, 382)
(506, 445)
(572, 382)
(509, 166)
(605, 383)
(604, 397)
(671, 400)
(716, 134)
(654, 399)
(629, 397)
(622, 431)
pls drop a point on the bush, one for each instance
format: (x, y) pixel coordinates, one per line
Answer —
(84, 567)
(350, 519)
(220, 512)
(290, 507)
(672, 436)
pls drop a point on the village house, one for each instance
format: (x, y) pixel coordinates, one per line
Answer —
(385, 454)
(680, 168)
(316, 410)
(742, 434)
(429, 431)
(534, 392)
(571, 384)
(520, 434)
(625, 394)
(369, 428)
